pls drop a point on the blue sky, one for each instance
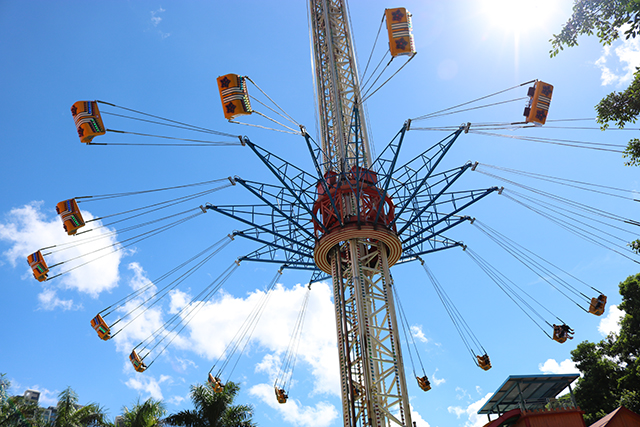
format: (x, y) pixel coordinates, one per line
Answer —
(163, 58)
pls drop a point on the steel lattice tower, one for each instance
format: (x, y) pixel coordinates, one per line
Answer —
(373, 385)
(351, 219)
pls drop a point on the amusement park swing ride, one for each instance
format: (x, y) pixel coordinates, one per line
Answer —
(348, 220)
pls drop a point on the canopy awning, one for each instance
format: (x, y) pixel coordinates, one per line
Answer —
(526, 392)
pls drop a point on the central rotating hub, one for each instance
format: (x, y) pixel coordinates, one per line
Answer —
(352, 206)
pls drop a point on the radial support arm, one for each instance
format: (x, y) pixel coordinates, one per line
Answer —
(247, 215)
(473, 197)
(295, 180)
(261, 190)
(433, 234)
(447, 180)
(429, 163)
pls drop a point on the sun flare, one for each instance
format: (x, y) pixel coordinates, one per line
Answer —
(518, 16)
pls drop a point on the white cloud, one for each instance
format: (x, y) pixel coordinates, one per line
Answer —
(216, 324)
(456, 410)
(619, 70)
(417, 332)
(47, 397)
(270, 365)
(321, 415)
(317, 347)
(471, 411)
(417, 418)
(49, 300)
(611, 323)
(607, 76)
(179, 300)
(28, 228)
(437, 381)
(147, 384)
(551, 366)
(461, 393)
(155, 19)
(176, 400)
(139, 279)
(143, 320)
(181, 365)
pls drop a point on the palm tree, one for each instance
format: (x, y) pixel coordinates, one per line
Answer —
(16, 411)
(146, 414)
(214, 409)
(71, 414)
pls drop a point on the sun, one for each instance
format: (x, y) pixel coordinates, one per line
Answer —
(517, 16)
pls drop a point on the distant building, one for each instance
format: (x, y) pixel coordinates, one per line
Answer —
(32, 396)
(50, 414)
(119, 421)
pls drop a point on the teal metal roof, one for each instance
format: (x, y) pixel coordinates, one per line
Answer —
(526, 392)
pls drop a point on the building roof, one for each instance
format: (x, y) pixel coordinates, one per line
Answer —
(621, 412)
(533, 391)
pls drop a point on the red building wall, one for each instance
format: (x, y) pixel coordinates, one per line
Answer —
(571, 417)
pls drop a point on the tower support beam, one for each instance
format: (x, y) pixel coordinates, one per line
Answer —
(374, 392)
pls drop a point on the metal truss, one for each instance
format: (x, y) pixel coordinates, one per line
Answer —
(337, 86)
(350, 218)
(373, 383)
(371, 368)
(424, 208)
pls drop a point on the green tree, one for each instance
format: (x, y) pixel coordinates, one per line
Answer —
(627, 346)
(146, 414)
(16, 411)
(561, 402)
(606, 18)
(611, 368)
(597, 390)
(214, 409)
(623, 108)
(4, 387)
(71, 414)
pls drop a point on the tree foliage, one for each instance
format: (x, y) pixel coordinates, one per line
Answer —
(607, 18)
(71, 414)
(627, 346)
(214, 409)
(622, 108)
(604, 17)
(4, 386)
(211, 410)
(146, 414)
(16, 411)
(596, 390)
(611, 368)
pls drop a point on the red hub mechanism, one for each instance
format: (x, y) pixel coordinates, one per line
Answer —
(352, 209)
